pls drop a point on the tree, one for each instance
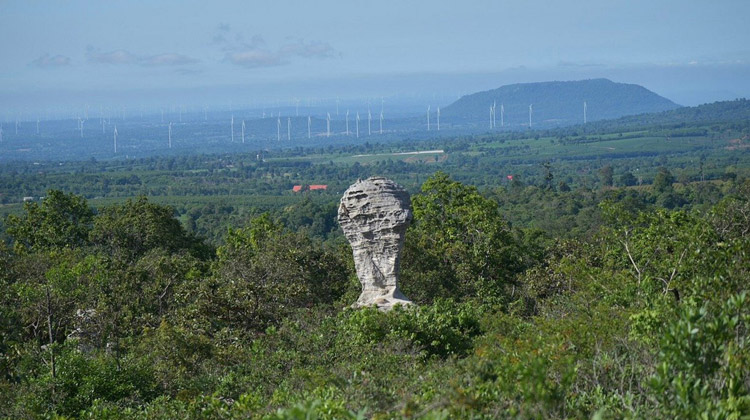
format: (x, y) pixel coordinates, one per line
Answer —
(130, 230)
(663, 180)
(262, 274)
(62, 220)
(703, 362)
(628, 179)
(458, 246)
(49, 288)
(548, 177)
(607, 174)
(562, 186)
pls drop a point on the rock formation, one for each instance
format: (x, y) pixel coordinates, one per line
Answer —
(86, 331)
(374, 215)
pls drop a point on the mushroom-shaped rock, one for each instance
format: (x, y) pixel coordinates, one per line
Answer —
(374, 215)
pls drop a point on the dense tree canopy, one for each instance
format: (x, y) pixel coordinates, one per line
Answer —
(460, 246)
(62, 220)
(132, 229)
(620, 307)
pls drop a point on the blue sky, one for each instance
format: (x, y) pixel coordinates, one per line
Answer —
(227, 51)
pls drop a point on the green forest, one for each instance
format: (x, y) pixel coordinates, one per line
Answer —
(598, 273)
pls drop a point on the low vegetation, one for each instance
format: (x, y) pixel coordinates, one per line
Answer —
(123, 313)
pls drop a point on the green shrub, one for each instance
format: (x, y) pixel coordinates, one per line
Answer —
(441, 329)
(704, 362)
(81, 379)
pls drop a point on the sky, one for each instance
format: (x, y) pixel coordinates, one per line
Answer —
(231, 53)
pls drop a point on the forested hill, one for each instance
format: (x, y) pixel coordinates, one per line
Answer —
(559, 103)
(735, 111)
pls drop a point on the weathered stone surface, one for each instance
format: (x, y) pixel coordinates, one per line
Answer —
(374, 215)
(86, 332)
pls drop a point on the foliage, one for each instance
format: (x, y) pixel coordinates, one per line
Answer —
(618, 308)
(459, 245)
(703, 362)
(128, 231)
(441, 329)
(262, 274)
(62, 220)
(81, 379)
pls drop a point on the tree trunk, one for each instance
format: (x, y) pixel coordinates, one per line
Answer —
(49, 331)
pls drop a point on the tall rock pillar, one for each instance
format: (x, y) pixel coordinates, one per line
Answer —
(374, 215)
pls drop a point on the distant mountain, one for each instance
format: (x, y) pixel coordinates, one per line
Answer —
(557, 103)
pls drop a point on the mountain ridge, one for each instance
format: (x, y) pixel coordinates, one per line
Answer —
(557, 103)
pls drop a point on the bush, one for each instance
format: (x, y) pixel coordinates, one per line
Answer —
(82, 378)
(442, 329)
(704, 362)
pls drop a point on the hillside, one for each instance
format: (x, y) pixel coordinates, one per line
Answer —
(734, 111)
(558, 103)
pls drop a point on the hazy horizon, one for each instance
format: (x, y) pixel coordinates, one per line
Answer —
(59, 55)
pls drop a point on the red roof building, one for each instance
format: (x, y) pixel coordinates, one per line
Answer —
(298, 188)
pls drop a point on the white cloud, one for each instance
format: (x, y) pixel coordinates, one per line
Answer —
(48, 61)
(256, 54)
(168, 59)
(254, 58)
(314, 49)
(120, 57)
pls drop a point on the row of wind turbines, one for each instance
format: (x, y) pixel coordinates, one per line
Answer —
(356, 132)
(309, 126)
(493, 113)
(243, 128)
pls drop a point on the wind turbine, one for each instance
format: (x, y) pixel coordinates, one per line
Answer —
(347, 122)
(80, 121)
(289, 128)
(428, 117)
(438, 118)
(309, 123)
(328, 124)
(170, 135)
(231, 127)
(357, 124)
(491, 112)
(584, 112)
(337, 106)
(381, 122)
(531, 110)
(115, 135)
(278, 128)
(494, 114)
(243, 131)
